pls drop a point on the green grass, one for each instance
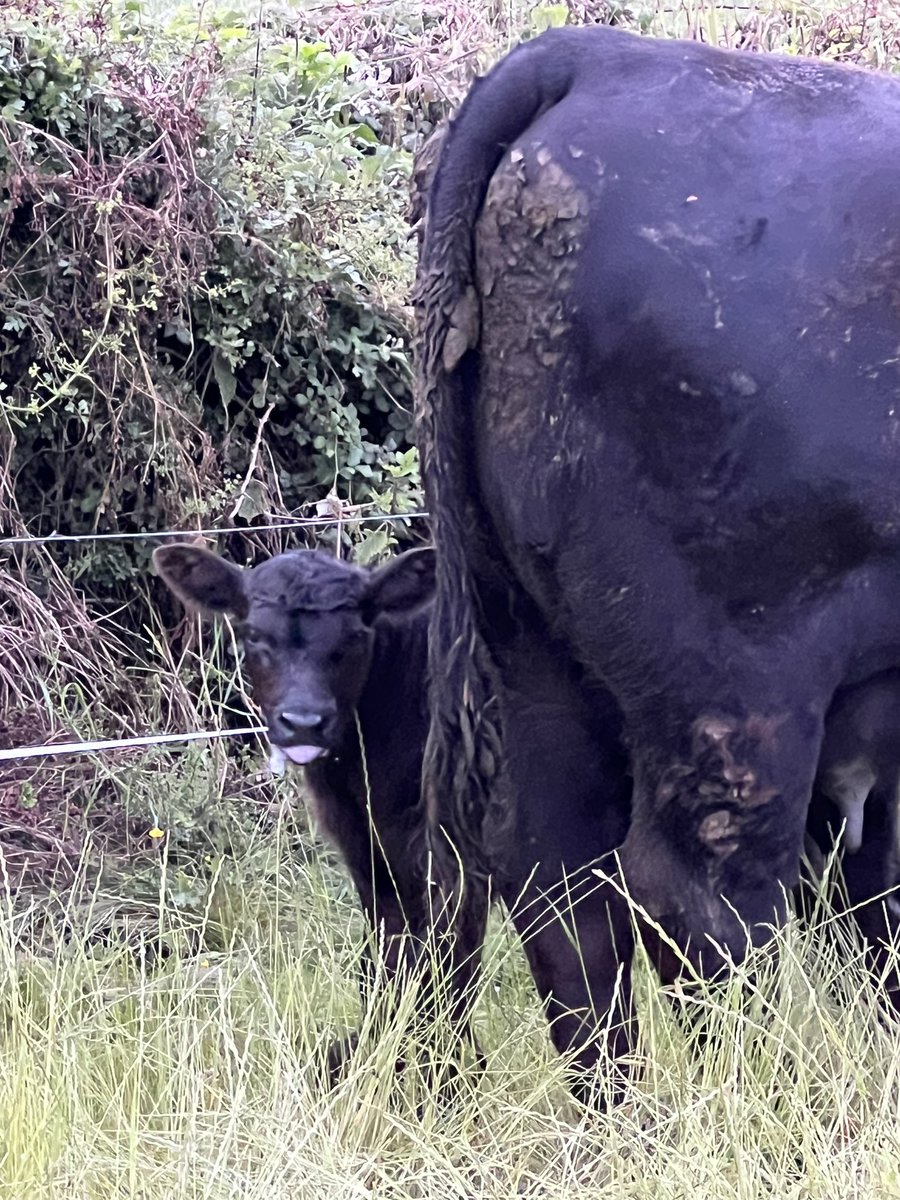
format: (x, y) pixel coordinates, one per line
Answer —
(202, 1078)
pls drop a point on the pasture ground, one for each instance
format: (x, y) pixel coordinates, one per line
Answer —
(164, 1017)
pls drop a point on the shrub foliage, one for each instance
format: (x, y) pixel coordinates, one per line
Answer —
(195, 318)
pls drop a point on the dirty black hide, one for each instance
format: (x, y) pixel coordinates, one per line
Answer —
(337, 658)
(659, 417)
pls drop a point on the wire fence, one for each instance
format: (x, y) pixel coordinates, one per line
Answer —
(50, 539)
(18, 753)
(49, 749)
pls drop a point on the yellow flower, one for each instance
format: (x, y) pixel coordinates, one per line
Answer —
(156, 832)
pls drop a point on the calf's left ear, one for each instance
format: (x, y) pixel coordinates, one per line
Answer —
(402, 585)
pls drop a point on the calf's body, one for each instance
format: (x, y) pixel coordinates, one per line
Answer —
(337, 658)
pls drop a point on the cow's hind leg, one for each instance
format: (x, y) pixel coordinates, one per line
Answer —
(578, 942)
(569, 795)
(869, 874)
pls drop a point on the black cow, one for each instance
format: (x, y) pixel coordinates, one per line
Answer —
(659, 410)
(337, 658)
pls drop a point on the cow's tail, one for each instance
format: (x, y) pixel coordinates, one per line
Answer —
(460, 786)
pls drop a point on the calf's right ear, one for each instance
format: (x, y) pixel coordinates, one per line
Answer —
(201, 578)
(404, 584)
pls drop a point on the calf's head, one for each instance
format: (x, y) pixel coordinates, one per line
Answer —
(306, 622)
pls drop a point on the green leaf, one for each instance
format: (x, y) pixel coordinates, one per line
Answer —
(373, 546)
(364, 132)
(225, 378)
(254, 502)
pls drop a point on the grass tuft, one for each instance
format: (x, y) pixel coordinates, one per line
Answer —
(201, 1074)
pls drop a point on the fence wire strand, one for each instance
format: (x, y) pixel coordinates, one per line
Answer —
(16, 753)
(301, 523)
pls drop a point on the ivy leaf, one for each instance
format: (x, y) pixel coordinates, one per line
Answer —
(225, 378)
(254, 502)
(372, 547)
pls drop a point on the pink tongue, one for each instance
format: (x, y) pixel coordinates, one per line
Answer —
(302, 754)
